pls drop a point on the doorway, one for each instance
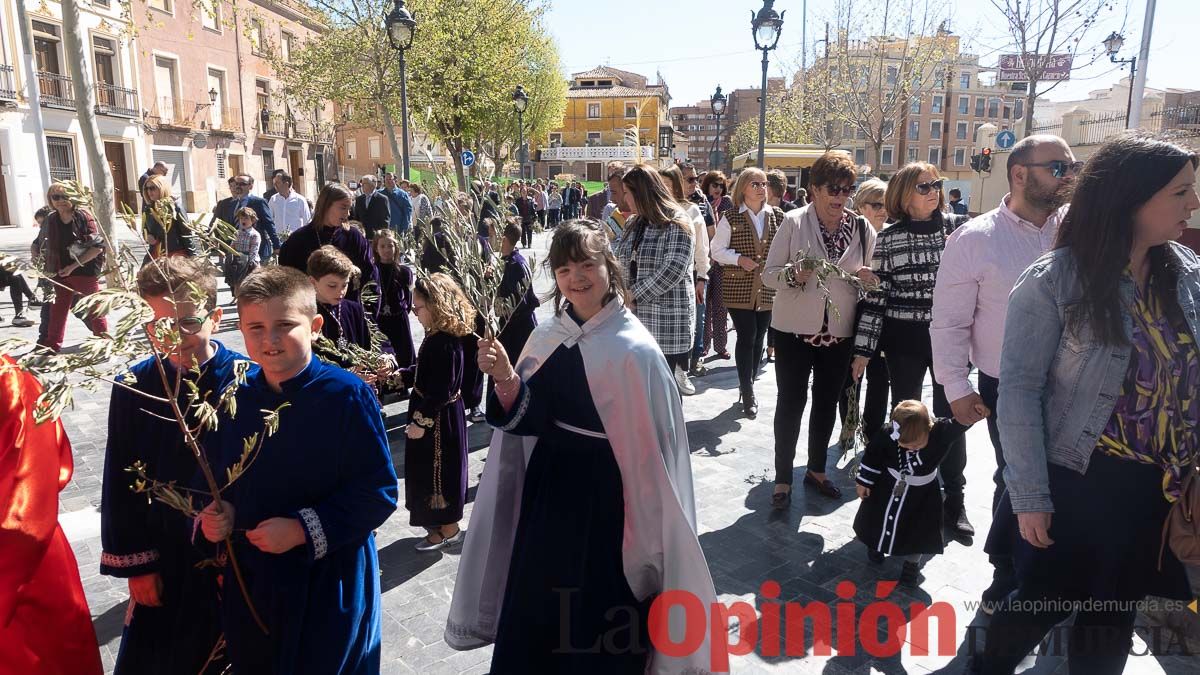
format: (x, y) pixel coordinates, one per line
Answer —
(594, 171)
(119, 168)
(296, 167)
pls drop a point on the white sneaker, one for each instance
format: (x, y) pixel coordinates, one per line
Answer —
(20, 321)
(684, 382)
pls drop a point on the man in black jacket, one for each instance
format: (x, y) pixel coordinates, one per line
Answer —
(371, 209)
(226, 210)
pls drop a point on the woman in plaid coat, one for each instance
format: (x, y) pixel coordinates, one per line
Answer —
(656, 252)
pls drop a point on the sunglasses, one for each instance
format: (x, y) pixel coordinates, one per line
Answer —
(1060, 168)
(874, 205)
(926, 188)
(835, 190)
(693, 179)
(58, 198)
(188, 325)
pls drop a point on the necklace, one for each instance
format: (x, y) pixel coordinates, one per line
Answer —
(387, 278)
(335, 311)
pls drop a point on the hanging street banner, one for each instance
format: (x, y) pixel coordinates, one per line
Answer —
(1054, 67)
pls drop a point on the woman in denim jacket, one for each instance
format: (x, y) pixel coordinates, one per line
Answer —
(1099, 407)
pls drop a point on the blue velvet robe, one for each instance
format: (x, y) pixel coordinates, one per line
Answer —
(329, 467)
(141, 536)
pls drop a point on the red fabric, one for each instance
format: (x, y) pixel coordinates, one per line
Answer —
(65, 296)
(45, 625)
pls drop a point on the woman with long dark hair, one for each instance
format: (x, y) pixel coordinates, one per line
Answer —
(657, 252)
(895, 319)
(331, 225)
(1099, 410)
(743, 238)
(587, 491)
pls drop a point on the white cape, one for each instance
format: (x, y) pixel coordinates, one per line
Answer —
(636, 397)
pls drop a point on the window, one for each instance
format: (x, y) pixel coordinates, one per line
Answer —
(888, 156)
(975, 131)
(960, 156)
(935, 104)
(1018, 109)
(914, 130)
(104, 52)
(101, 3)
(1007, 111)
(631, 109)
(222, 165)
(860, 156)
(892, 74)
(889, 127)
(935, 155)
(216, 112)
(373, 147)
(268, 162)
(960, 131)
(979, 106)
(555, 169)
(964, 81)
(915, 108)
(256, 36)
(935, 129)
(45, 48)
(262, 94)
(593, 138)
(912, 154)
(964, 105)
(993, 107)
(593, 111)
(860, 134)
(166, 83)
(556, 139)
(285, 45)
(210, 15)
(61, 154)
(351, 148)
(161, 5)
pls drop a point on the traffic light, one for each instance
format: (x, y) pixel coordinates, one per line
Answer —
(975, 162)
(985, 161)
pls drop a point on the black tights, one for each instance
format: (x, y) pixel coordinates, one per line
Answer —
(751, 327)
(18, 289)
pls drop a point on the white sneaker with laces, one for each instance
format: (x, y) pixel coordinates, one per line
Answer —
(684, 382)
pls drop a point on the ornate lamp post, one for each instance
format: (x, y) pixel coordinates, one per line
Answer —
(401, 26)
(1112, 45)
(766, 25)
(717, 102)
(521, 101)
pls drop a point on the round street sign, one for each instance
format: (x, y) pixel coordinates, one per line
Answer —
(468, 158)
(1005, 139)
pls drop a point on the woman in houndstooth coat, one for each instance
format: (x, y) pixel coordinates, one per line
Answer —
(656, 252)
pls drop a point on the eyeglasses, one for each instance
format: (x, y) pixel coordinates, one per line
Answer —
(758, 184)
(925, 188)
(58, 198)
(693, 179)
(1059, 168)
(874, 205)
(835, 190)
(188, 325)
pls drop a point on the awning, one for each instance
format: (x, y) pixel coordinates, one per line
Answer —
(781, 156)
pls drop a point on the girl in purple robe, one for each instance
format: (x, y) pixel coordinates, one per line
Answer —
(435, 455)
(395, 296)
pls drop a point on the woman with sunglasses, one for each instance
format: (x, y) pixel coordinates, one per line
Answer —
(164, 223)
(74, 259)
(716, 317)
(744, 236)
(812, 339)
(895, 319)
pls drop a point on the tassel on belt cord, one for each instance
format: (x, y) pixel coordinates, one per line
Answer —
(437, 500)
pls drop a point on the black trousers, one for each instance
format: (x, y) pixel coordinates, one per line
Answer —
(18, 289)
(751, 327)
(527, 234)
(989, 391)
(1098, 642)
(683, 361)
(829, 366)
(907, 372)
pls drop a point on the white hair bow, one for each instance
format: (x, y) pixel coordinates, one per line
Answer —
(895, 431)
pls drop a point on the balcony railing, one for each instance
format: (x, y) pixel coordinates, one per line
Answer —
(229, 119)
(55, 90)
(273, 125)
(302, 131)
(116, 101)
(596, 153)
(7, 92)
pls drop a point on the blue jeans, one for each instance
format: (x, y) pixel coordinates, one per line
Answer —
(698, 345)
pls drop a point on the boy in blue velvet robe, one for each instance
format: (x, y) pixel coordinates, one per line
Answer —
(172, 623)
(304, 513)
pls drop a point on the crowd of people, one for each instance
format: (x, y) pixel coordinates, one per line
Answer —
(1087, 387)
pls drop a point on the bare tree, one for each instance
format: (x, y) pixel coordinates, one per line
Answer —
(85, 107)
(1044, 28)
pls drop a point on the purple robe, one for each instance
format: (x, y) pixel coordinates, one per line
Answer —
(516, 330)
(395, 303)
(346, 320)
(301, 244)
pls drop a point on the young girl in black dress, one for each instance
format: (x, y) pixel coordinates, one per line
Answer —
(901, 511)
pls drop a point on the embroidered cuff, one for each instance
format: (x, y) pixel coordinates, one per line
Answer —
(518, 413)
(128, 564)
(422, 420)
(316, 534)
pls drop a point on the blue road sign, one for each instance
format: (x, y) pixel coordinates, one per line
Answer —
(1005, 139)
(468, 158)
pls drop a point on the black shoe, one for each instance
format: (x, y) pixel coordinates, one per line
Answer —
(825, 487)
(962, 525)
(910, 574)
(875, 556)
(781, 500)
(749, 403)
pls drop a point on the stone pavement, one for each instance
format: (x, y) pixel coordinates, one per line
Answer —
(808, 550)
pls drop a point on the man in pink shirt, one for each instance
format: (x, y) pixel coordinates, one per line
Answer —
(979, 268)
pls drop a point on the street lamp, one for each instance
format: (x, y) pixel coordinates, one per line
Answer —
(521, 101)
(767, 25)
(1112, 45)
(401, 25)
(717, 102)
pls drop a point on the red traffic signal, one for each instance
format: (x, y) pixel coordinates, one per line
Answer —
(987, 151)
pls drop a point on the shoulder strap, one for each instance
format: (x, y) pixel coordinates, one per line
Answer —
(862, 239)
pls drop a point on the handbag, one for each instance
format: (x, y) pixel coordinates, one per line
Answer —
(1181, 528)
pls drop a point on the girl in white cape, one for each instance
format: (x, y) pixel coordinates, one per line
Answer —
(585, 513)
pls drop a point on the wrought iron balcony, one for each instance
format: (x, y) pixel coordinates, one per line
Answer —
(55, 90)
(116, 101)
(7, 92)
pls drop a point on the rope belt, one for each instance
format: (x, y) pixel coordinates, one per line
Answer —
(579, 430)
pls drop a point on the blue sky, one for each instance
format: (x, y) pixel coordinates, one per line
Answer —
(699, 44)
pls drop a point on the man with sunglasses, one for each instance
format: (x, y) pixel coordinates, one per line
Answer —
(239, 197)
(980, 265)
